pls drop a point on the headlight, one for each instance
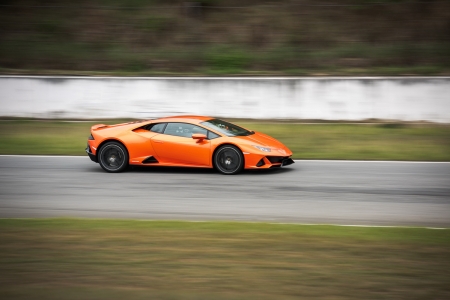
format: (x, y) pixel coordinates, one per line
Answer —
(262, 148)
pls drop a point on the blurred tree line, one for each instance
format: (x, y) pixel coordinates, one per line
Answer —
(299, 37)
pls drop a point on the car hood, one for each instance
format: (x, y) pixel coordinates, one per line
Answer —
(267, 141)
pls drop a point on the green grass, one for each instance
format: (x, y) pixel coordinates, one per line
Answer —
(307, 141)
(357, 141)
(113, 259)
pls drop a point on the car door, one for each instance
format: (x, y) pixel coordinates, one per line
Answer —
(176, 145)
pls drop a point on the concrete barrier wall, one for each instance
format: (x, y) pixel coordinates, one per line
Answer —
(396, 98)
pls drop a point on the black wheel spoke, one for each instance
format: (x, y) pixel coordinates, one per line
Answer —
(112, 157)
(228, 160)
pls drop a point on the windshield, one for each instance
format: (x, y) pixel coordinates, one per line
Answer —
(226, 128)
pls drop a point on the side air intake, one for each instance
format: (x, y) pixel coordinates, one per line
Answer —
(261, 163)
(150, 160)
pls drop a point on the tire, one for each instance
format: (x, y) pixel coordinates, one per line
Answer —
(228, 160)
(113, 157)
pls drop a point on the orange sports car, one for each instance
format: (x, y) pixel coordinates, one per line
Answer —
(185, 141)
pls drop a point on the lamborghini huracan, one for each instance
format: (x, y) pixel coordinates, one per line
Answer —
(185, 141)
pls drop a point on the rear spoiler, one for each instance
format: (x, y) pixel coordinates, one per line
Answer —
(99, 126)
(103, 126)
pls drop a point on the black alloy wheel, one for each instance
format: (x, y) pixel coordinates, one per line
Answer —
(113, 157)
(229, 160)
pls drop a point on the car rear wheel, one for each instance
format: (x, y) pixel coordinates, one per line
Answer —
(229, 160)
(113, 157)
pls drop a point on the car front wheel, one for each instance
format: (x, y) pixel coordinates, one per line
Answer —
(229, 160)
(113, 157)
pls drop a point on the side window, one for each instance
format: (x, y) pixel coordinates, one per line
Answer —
(183, 129)
(159, 128)
(212, 135)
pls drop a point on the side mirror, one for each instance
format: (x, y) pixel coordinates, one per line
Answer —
(199, 137)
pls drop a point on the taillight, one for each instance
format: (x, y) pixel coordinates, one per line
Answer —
(91, 137)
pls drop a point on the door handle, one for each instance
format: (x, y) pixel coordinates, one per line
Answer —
(159, 142)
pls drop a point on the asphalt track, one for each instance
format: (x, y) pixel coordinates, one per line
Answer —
(317, 192)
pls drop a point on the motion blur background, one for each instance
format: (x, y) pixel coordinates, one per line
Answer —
(402, 118)
(294, 37)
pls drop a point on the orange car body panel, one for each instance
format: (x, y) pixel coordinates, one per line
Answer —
(172, 150)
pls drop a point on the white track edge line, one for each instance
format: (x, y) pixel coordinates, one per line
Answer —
(317, 224)
(297, 160)
(373, 161)
(239, 221)
(366, 226)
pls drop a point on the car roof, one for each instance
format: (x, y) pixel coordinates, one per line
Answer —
(187, 118)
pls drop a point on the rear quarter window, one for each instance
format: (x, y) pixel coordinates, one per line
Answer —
(159, 128)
